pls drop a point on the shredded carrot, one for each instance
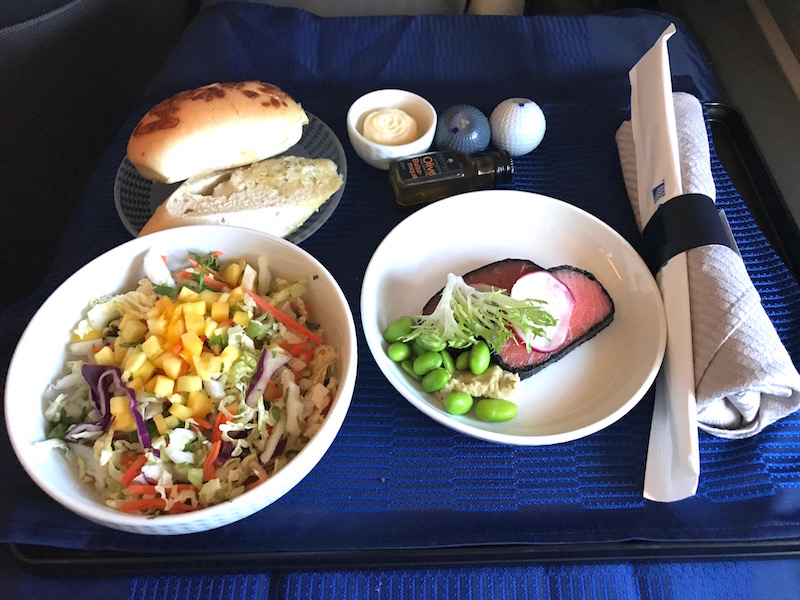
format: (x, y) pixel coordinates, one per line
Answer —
(143, 504)
(214, 284)
(209, 470)
(307, 355)
(216, 433)
(202, 423)
(178, 347)
(262, 477)
(281, 316)
(147, 504)
(164, 258)
(133, 470)
(294, 349)
(151, 489)
(272, 392)
(217, 253)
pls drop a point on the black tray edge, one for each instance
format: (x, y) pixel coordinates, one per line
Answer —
(745, 165)
(61, 562)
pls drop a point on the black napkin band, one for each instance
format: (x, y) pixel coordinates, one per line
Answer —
(680, 224)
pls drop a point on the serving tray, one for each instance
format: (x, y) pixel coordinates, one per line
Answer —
(742, 161)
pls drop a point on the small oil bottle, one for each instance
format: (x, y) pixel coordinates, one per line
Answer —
(435, 175)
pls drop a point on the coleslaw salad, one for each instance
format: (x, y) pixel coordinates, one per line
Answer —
(193, 388)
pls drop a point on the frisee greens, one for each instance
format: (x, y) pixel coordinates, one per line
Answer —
(465, 315)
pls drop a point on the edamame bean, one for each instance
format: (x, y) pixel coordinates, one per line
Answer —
(495, 410)
(447, 362)
(407, 366)
(462, 361)
(479, 357)
(458, 403)
(398, 329)
(427, 362)
(398, 351)
(416, 349)
(431, 343)
(435, 380)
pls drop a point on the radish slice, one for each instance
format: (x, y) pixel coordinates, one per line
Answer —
(541, 285)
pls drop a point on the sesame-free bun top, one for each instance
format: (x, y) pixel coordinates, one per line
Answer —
(217, 126)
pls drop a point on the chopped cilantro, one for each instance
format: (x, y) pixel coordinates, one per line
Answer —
(166, 290)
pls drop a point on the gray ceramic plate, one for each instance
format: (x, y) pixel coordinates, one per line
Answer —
(137, 198)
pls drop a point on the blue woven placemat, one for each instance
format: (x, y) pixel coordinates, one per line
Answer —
(394, 478)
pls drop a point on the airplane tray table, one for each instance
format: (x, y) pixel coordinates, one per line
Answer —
(395, 487)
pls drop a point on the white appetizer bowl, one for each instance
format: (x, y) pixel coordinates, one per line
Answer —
(39, 360)
(381, 155)
(590, 388)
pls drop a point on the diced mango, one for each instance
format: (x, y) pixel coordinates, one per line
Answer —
(241, 318)
(228, 355)
(220, 311)
(232, 273)
(134, 359)
(146, 371)
(187, 295)
(194, 322)
(174, 332)
(92, 334)
(164, 304)
(188, 383)
(211, 327)
(161, 423)
(200, 404)
(192, 344)
(180, 411)
(207, 365)
(126, 318)
(136, 384)
(105, 356)
(133, 331)
(120, 350)
(172, 421)
(237, 295)
(158, 361)
(124, 422)
(150, 385)
(197, 307)
(158, 325)
(163, 386)
(118, 405)
(152, 347)
(172, 365)
(209, 296)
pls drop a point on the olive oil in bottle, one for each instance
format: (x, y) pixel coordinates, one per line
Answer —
(435, 175)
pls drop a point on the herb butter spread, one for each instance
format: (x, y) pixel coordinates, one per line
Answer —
(390, 126)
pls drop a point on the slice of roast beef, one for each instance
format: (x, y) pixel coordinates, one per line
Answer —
(593, 310)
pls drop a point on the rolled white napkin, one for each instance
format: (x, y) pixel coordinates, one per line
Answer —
(744, 377)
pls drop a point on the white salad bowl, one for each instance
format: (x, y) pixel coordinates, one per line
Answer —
(587, 390)
(35, 365)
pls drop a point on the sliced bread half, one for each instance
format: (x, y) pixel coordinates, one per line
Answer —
(276, 195)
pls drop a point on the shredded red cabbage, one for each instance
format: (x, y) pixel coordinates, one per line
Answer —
(103, 380)
(268, 363)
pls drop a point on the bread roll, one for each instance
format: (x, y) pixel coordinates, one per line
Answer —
(276, 195)
(217, 126)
